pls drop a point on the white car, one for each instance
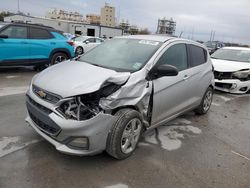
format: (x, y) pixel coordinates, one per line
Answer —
(85, 43)
(232, 69)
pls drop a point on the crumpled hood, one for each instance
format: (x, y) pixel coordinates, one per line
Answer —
(72, 78)
(229, 66)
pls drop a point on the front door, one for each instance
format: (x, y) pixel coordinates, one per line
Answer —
(15, 48)
(172, 94)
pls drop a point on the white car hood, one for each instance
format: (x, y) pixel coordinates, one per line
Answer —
(229, 66)
(72, 78)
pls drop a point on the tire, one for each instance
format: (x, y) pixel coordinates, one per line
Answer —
(57, 58)
(79, 51)
(125, 134)
(205, 103)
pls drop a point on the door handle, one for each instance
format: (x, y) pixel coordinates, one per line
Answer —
(24, 42)
(186, 77)
(53, 43)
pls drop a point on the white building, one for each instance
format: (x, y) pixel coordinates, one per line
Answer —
(72, 27)
(166, 26)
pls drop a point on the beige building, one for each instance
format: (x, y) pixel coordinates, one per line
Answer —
(108, 15)
(93, 19)
(64, 15)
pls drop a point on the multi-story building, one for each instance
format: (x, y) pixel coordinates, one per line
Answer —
(166, 26)
(128, 29)
(93, 19)
(108, 15)
(65, 15)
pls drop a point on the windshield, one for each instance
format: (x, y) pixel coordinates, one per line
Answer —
(232, 55)
(81, 38)
(123, 55)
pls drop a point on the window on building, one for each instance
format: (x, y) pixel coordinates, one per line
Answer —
(17, 32)
(176, 56)
(36, 33)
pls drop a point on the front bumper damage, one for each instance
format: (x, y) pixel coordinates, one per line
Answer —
(232, 86)
(95, 129)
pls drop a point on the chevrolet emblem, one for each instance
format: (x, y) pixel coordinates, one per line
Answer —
(41, 94)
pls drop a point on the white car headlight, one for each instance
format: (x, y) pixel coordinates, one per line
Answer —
(242, 74)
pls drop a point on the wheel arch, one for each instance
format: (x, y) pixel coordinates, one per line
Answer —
(60, 50)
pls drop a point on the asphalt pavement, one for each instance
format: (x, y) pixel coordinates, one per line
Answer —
(191, 151)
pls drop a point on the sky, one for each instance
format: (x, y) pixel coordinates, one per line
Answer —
(195, 18)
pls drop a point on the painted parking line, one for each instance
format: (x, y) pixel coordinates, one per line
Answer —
(13, 90)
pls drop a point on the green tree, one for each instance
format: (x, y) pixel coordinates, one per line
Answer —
(4, 14)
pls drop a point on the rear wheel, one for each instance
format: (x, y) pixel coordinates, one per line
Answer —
(57, 58)
(125, 134)
(206, 102)
(79, 51)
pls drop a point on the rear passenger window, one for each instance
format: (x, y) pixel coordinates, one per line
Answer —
(176, 55)
(36, 33)
(198, 55)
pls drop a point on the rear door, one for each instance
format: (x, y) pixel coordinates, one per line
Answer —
(91, 43)
(201, 73)
(14, 49)
(173, 94)
(41, 43)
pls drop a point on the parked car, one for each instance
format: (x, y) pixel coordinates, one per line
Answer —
(118, 90)
(30, 44)
(69, 36)
(232, 69)
(212, 46)
(85, 43)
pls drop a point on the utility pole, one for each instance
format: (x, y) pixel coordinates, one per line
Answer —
(18, 7)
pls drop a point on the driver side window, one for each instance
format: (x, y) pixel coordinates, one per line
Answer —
(176, 56)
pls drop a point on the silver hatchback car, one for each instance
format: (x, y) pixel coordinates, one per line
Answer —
(106, 99)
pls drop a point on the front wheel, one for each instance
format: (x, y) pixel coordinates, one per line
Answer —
(125, 134)
(206, 102)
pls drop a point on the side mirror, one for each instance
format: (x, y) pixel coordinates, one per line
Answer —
(4, 36)
(162, 70)
(86, 42)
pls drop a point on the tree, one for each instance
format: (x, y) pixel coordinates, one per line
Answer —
(4, 14)
(144, 31)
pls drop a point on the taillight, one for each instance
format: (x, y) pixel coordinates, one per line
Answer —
(71, 43)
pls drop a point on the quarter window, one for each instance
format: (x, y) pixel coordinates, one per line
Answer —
(176, 56)
(36, 33)
(17, 32)
(198, 55)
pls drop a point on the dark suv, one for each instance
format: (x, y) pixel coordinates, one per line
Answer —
(31, 44)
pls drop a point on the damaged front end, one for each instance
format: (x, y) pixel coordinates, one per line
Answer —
(135, 93)
(84, 107)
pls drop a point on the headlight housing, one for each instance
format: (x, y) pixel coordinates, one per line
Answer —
(242, 74)
(86, 106)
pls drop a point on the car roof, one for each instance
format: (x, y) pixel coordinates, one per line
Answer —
(237, 48)
(39, 26)
(158, 38)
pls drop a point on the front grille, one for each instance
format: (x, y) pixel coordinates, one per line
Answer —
(224, 85)
(45, 95)
(46, 128)
(223, 75)
(42, 108)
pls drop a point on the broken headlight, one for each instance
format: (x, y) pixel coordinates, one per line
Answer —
(242, 74)
(86, 106)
